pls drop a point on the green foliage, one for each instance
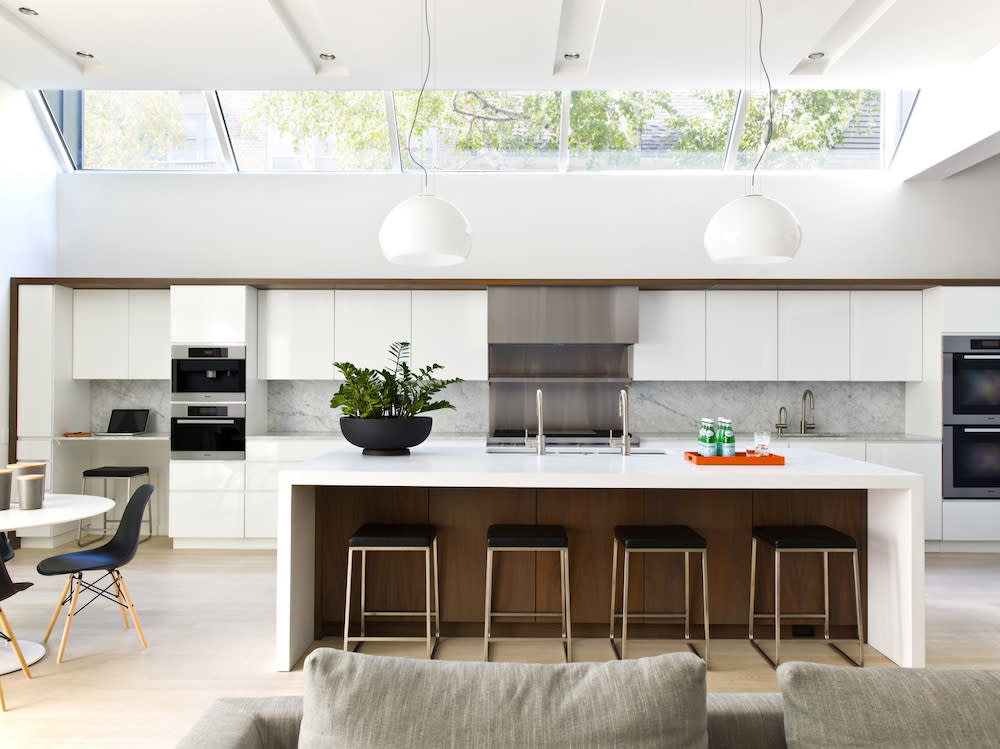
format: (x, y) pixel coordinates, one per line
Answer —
(396, 392)
(131, 129)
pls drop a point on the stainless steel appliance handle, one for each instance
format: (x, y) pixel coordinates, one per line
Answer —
(980, 356)
(211, 421)
(978, 429)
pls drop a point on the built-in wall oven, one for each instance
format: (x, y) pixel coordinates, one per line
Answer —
(971, 404)
(208, 432)
(208, 374)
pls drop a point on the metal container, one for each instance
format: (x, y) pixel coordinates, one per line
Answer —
(32, 491)
(5, 481)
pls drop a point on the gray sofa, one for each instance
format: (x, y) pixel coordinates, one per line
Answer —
(353, 700)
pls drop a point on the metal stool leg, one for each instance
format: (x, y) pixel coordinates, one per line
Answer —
(753, 582)
(625, 566)
(489, 604)
(777, 608)
(704, 593)
(569, 616)
(437, 593)
(614, 583)
(427, 598)
(347, 604)
(826, 595)
(687, 596)
(364, 587)
(857, 609)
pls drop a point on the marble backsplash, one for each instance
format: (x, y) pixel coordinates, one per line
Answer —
(841, 407)
(108, 394)
(655, 407)
(304, 406)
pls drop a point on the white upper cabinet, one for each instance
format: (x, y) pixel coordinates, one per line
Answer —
(671, 342)
(295, 334)
(741, 335)
(366, 323)
(121, 334)
(814, 335)
(100, 334)
(210, 314)
(449, 328)
(970, 309)
(886, 336)
(149, 334)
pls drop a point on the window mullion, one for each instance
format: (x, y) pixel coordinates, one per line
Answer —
(390, 116)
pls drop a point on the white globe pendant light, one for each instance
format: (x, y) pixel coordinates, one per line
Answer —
(752, 230)
(425, 230)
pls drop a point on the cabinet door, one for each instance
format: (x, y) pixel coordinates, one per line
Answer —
(261, 515)
(886, 336)
(671, 342)
(35, 361)
(970, 309)
(814, 335)
(917, 457)
(149, 334)
(209, 314)
(366, 323)
(970, 520)
(295, 335)
(215, 514)
(449, 328)
(100, 334)
(741, 335)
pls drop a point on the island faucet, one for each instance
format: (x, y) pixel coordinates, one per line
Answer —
(540, 441)
(623, 412)
(804, 425)
(782, 424)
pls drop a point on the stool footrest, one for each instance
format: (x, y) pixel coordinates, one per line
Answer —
(396, 613)
(787, 616)
(526, 613)
(652, 616)
(387, 639)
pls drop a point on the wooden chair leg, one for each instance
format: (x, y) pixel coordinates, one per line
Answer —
(69, 618)
(121, 603)
(13, 643)
(59, 605)
(3, 705)
(131, 608)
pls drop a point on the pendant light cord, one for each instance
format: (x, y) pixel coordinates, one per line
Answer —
(420, 96)
(770, 99)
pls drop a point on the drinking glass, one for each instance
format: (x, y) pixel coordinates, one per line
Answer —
(762, 443)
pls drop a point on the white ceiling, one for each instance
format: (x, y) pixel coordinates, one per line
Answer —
(256, 44)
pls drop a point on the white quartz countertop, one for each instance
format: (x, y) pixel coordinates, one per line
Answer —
(462, 466)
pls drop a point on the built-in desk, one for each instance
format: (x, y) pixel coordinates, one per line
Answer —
(462, 490)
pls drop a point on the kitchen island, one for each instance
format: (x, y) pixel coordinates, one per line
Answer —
(463, 489)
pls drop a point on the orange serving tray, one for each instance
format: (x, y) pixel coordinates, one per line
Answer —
(739, 459)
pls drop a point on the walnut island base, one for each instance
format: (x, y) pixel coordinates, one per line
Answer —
(463, 490)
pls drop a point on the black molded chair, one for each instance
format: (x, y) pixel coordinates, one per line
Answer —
(6, 550)
(110, 557)
(9, 588)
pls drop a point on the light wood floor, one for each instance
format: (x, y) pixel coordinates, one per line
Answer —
(209, 619)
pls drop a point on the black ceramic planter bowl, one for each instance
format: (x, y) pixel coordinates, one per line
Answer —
(386, 436)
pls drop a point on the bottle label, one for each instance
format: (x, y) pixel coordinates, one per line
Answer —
(727, 449)
(706, 449)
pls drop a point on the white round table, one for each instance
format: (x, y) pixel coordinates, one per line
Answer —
(56, 509)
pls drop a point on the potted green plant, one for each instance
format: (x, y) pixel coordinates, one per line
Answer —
(381, 406)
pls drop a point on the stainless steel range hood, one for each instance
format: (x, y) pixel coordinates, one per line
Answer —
(570, 342)
(563, 314)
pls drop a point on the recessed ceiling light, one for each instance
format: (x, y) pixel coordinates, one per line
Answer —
(571, 56)
(85, 55)
(28, 11)
(817, 55)
(327, 56)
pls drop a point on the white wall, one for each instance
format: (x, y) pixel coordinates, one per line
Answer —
(27, 214)
(524, 226)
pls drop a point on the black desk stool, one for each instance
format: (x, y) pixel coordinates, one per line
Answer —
(528, 538)
(384, 537)
(796, 539)
(645, 539)
(114, 472)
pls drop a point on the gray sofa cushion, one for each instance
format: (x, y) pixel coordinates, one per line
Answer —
(745, 721)
(844, 707)
(248, 723)
(353, 701)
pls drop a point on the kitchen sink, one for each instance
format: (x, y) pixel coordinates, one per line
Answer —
(572, 450)
(814, 435)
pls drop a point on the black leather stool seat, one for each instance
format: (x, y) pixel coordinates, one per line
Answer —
(803, 537)
(513, 536)
(390, 534)
(115, 472)
(658, 537)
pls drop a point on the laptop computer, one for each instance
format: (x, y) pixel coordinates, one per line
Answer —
(126, 422)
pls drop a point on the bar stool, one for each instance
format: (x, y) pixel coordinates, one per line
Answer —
(114, 472)
(796, 539)
(387, 537)
(645, 539)
(528, 538)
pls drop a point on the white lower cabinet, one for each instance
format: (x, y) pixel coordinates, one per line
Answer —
(261, 515)
(970, 520)
(923, 458)
(217, 514)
